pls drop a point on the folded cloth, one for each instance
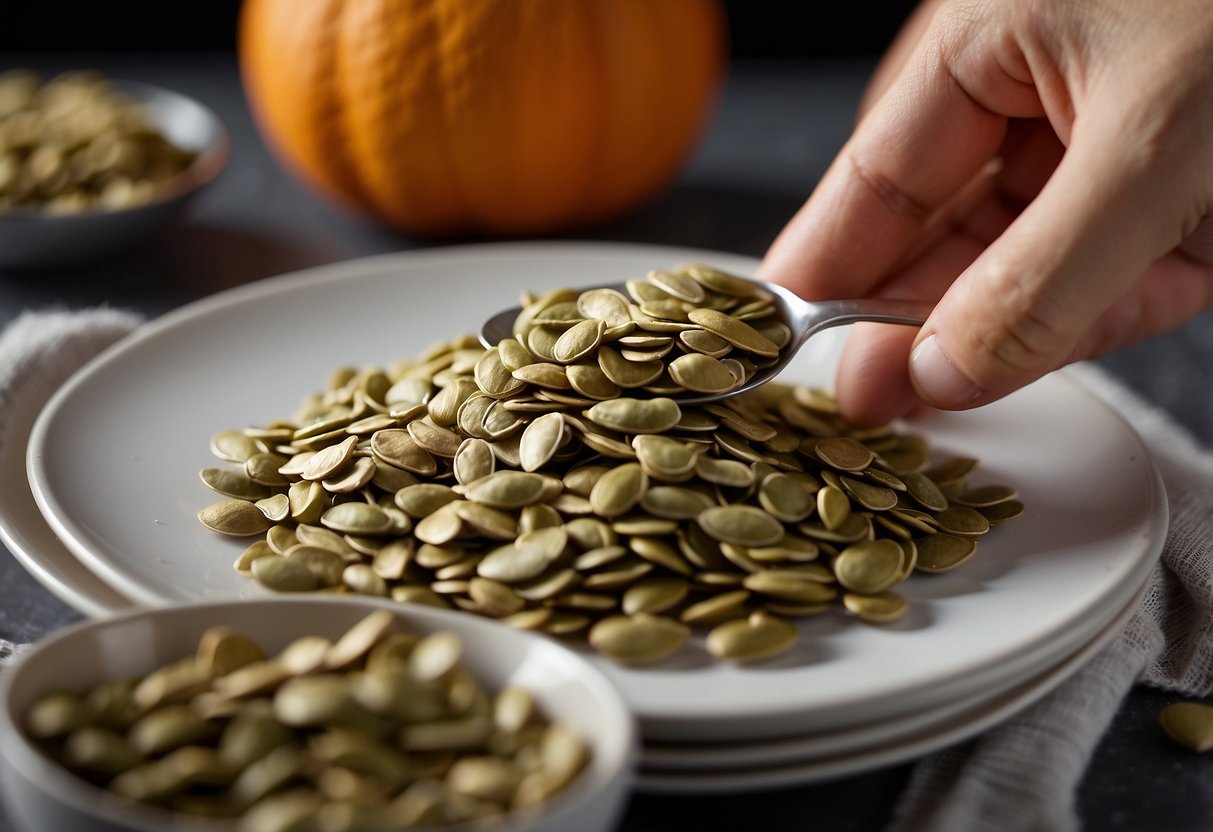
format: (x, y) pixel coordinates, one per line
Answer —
(1018, 777)
(38, 352)
(1022, 776)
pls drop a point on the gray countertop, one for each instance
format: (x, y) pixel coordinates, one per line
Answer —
(777, 127)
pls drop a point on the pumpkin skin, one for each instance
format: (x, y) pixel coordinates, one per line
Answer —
(499, 117)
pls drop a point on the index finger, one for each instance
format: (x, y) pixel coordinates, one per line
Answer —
(923, 141)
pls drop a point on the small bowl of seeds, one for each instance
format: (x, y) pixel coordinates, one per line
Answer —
(310, 714)
(91, 167)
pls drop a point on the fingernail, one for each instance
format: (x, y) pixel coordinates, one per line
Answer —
(937, 379)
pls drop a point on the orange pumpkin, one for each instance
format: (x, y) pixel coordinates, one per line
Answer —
(503, 117)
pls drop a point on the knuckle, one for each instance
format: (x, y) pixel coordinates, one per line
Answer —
(1030, 334)
(894, 198)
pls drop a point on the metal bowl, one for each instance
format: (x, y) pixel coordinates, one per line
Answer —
(34, 240)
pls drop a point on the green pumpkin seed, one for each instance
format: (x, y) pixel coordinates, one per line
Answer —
(1188, 723)
(877, 609)
(233, 484)
(654, 595)
(397, 447)
(236, 518)
(757, 637)
(638, 639)
(701, 374)
(722, 607)
(222, 649)
(735, 331)
(233, 446)
(357, 519)
(540, 441)
(844, 454)
(741, 525)
(785, 499)
(636, 415)
(941, 552)
(961, 520)
(787, 585)
(507, 489)
(925, 492)
(284, 575)
(870, 566)
(617, 491)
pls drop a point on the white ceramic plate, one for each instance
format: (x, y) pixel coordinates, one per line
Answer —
(113, 464)
(872, 751)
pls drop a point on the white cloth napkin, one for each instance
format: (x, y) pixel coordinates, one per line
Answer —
(1018, 777)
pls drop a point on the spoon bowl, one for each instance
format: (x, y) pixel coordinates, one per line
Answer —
(804, 318)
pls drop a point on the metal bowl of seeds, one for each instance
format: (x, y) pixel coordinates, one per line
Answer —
(90, 168)
(310, 713)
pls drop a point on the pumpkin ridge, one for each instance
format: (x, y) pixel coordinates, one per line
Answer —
(330, 122)
(448, 88)
(399, 152)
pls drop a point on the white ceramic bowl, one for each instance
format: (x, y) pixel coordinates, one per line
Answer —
(40, 795)
(32, 240)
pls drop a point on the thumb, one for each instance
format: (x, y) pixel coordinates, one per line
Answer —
(1021, 308)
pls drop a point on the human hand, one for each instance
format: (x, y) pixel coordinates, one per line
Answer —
(1033, 166)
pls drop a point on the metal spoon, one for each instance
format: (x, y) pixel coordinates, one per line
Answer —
(804, 318)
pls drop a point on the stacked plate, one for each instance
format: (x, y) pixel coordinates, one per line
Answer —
(112, 462)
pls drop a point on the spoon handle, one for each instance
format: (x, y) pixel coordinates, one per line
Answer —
(825, 314)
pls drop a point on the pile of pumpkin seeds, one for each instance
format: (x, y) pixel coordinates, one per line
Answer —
(380, 729)
(695, 330)
(533, 482)
(76, 142)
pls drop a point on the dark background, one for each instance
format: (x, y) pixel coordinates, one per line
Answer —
(770, 28)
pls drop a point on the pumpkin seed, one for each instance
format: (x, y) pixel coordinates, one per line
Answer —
(654, 595)
(941, 552)
(925, 491)
(843, 453)
(870, 566)
(722, 607)
(222, 649)
(1188, 723)
(507, 489)
(962, 520)
(878, 609)
(233, 484)
(356, 518)
(757, 637)
(742, 525)
(618, 490)
(237, 518)
(638, 639)
(284, 575)
(785, 585)
(540, 441)
(735, 331)
(701, 374)
(636, 415)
